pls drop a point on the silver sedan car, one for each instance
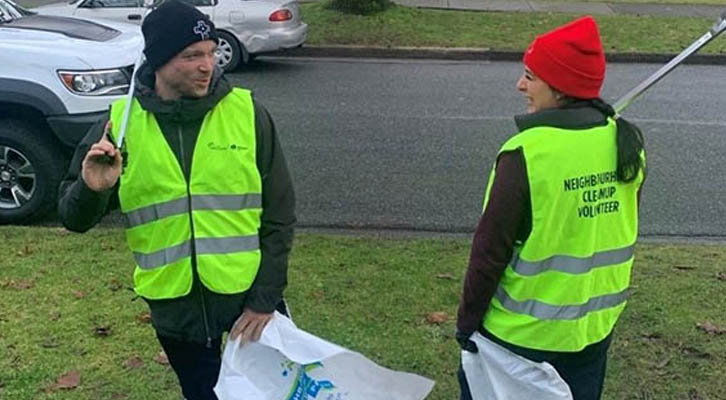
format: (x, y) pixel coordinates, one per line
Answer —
(246, 27)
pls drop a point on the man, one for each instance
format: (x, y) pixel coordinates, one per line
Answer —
(204, 187)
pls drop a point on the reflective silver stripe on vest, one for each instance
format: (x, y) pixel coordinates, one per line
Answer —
(572, 265)
(228, 245)
(204, 246)
(223, 202)
(546, 311)
(155, 212)
(228, 202)
(163, 257)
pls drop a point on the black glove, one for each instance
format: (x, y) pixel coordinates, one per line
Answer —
(465, 343)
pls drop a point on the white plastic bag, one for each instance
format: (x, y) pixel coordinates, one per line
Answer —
(290, 364)
(495, 373)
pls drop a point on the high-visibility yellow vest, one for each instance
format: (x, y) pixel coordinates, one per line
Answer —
(215, 215)
(567, 284)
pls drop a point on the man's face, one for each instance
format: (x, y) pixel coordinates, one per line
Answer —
(538, 93)
(189, 73)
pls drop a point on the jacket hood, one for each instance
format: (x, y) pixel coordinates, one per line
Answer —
(183, 109)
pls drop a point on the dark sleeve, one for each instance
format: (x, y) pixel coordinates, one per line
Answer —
(278, 216)
(80, 208)
(505, 220)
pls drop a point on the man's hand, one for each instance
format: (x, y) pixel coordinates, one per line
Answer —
(97, 172)
(249, 326)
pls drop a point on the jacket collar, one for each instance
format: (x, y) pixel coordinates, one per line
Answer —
(574, 116)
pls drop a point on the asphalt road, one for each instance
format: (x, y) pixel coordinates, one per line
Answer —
(399, 144)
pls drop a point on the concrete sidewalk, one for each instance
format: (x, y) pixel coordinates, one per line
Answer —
(593, 8)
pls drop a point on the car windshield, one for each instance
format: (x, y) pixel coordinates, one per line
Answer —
(10, 11)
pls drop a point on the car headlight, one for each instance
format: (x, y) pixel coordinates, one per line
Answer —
(96, 83)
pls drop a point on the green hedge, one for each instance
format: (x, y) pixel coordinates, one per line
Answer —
(359, 7)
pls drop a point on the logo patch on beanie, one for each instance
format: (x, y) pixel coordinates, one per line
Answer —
(202, 29)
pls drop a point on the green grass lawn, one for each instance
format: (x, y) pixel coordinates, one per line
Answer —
(64, 307)
(404, 26)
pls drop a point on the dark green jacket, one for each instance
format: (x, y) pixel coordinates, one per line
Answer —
(201, 315)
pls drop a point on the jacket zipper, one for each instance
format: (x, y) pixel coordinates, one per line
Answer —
(195, 269)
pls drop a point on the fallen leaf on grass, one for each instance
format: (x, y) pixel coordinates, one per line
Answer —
(664, 362)
(162, 359)
(684, 267)
(62, 232)
(134, 362)
(711, 329)
(721, 276)
(69, 380)
(115, 285)
(103, 331)
(438, 317)
(693, 395)
(651, 336)
(78, 294)
(144, 318)
(25, 251)
(22, 284)
(692, 351)
(445, 276)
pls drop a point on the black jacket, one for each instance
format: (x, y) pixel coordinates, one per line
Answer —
(201, 315)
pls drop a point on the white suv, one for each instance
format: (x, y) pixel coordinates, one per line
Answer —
(58, 76)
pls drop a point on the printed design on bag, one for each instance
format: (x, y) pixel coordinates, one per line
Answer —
(306, 387)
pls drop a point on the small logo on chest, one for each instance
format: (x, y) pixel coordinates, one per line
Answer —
(225, 146)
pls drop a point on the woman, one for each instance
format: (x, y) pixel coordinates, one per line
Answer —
(550, 261)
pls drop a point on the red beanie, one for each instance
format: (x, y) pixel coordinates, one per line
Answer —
(570, 58)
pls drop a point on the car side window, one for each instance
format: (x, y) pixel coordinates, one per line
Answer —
(112, 3)
(200, 3)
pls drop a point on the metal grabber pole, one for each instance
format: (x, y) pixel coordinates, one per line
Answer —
(716, 30)
(130, 97)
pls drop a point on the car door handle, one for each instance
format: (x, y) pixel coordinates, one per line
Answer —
(134, 17)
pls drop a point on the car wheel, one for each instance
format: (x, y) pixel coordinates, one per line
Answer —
(229, 52)
(30, 171)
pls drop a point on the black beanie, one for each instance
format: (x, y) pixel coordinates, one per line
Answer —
(170, 28)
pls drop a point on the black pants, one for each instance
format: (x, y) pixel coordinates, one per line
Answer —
(196, 365)
(583, 371)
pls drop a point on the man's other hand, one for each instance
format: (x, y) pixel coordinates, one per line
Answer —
(249, 326)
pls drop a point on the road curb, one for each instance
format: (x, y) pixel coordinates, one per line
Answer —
(473, 54)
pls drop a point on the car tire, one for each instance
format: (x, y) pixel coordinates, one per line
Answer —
(30, 171)
(229, 52)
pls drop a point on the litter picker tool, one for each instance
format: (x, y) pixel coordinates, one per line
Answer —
(716, 30)
(130, 97)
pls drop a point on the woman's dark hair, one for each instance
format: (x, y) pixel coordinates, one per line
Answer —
(629, 138)
(630, 144)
